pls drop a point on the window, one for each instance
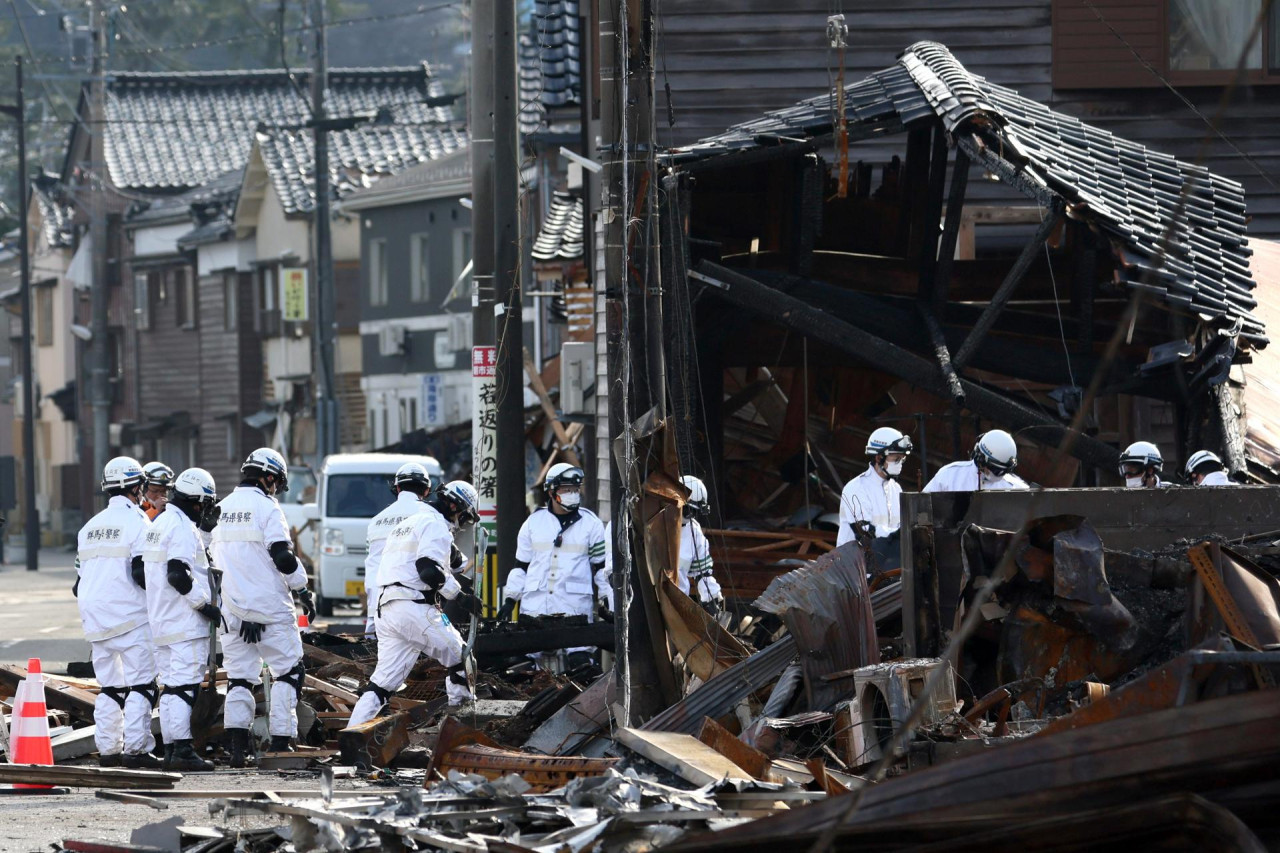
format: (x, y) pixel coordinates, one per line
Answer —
(142, 300)
(184, 291)
(115, 354)
(461, 257)
(230, 300)
(1189, 42)
(265, 301)
(377, 272)
(356, 495)
(44, 316)
(420, 267)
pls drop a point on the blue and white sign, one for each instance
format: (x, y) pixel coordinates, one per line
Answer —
(433, 413)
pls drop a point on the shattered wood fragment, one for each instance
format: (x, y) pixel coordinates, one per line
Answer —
(58, 694)
(375, 743)
(84, 777)
(569, 728)
(707, 648)
(134, 799)
(467, 750)
(724, 742)
(684, 755)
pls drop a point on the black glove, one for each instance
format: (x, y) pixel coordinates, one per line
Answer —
(209, 518)
(603, 613)
(308, 602)
(251, 632)
(469, 602)
(715, 607)
(456, 559)
(507, 610)
(75, 587)
(210, 612)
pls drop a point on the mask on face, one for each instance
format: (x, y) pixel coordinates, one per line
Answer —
(570, 500)
(893, 468)
(1133, 482)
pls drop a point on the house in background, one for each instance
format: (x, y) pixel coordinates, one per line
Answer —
(415, 305)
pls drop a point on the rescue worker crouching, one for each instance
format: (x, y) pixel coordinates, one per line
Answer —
(1204, 468)
(411, 485)
(111, 593)
(253, 548)
(157, 478)
(182, 609)
(872, 501)
(414, 575)
(559, 552)
(989, 468)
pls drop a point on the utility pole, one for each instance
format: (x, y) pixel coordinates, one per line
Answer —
(326, 304)
(30, 515)
(508, 316)
(99, 357)
(483, 413)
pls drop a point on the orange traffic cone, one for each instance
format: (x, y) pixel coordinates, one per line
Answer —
(30, 733)
(304, 624)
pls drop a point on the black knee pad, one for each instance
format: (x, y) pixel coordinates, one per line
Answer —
(458, 674)
(148, 691)
(233, 683)
(384, 695)
(294, 678)
(185, 692)
(119, 694)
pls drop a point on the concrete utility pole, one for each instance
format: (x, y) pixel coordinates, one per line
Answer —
(30, 514)
(326, 304)
(99, 357)
(508, 316)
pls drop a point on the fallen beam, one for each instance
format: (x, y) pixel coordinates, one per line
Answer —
(57, 693)
(745, 292)
(523, 642)
(84, 777)
(684, 755)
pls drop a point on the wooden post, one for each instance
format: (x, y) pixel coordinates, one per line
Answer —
(1228, 421)
(950, 233)
(930, 214)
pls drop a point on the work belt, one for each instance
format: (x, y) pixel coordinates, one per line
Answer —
(422, 600)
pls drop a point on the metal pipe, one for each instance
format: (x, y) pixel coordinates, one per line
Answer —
(30, 515)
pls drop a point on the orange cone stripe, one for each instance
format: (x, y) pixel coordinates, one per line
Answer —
(32, 708)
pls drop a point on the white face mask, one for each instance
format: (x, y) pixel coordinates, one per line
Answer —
(1133, 482)
(893, 468)
(570, 500)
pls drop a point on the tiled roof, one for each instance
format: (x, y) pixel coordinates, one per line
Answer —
(356, 157)
(561, 236)
(1130, 192)
(440, 178)
(550, 63)
(55, 211)
(169, 131)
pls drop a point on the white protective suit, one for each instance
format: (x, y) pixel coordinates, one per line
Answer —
(254, 590)
(380, 527)
(964, 477)
(1217, 478)
(871, 498)
(181, 635)
(113, 611)
(409, 623)
(558, 580)
(695, 564)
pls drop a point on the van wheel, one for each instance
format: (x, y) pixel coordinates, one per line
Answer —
(324, 606)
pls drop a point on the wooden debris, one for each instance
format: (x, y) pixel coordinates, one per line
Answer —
(84, 777)
(134, 799)
(58, 694)
(469, 751)
(745, 756)
(684, 755)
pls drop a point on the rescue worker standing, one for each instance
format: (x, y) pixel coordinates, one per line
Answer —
(253, 548)
(873, 498)
(411, 485)
(1204, 468)
(182, 609)
(559, 551)
(989, 468)
(697, 578)
(1140, 465)
(111, 591)
(157, 477)
(414, 575)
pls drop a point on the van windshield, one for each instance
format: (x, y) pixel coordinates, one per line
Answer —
(357, 495)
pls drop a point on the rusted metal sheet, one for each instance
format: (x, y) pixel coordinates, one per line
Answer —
(707, 648)
(469, 751)
(826, 606)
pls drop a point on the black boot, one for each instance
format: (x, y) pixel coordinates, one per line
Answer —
(168, 756)
(281, 743)
(183, 758)
(141, 761)
(242, 753)
(109, 760)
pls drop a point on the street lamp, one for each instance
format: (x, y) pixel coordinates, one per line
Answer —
(30, 515)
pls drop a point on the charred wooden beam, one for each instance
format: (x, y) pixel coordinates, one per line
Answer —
(1085, 286)
(941, 353)
(793, 313)
(545, 640)
(811, 175)
(950, 233)
(1227, 416)
(1007, 287)
(931, 213)
(913, 190)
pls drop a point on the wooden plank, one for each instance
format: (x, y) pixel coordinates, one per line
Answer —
(57, 694)
(684, 755)
(745, 756)
(133, 799)
(84, 777)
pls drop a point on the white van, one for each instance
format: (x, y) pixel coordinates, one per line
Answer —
(352, 488)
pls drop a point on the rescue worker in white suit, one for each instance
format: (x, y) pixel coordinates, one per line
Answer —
(415, 574)
(560, 551)
(110, 588)
(411, 485)
(873, 498)
(1204, 468)
(182, 609)
(989, 468)
(1140, 465)
(253, 548)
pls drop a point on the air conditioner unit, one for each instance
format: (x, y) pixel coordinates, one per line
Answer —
(391, 340)
(882, 698)
(460, 332)
(577, 376)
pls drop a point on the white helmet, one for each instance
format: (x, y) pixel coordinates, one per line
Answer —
(1144, 454)
(459, 502)
(1203, 462)
(563, 474)
(887, 440)
(157, 474)
(265, 461)
(122, 472)
(698, 503)
(996, 451)
(412, 472)
(195, 484)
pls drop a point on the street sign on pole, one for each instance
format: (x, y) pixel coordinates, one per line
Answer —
(293, 294)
